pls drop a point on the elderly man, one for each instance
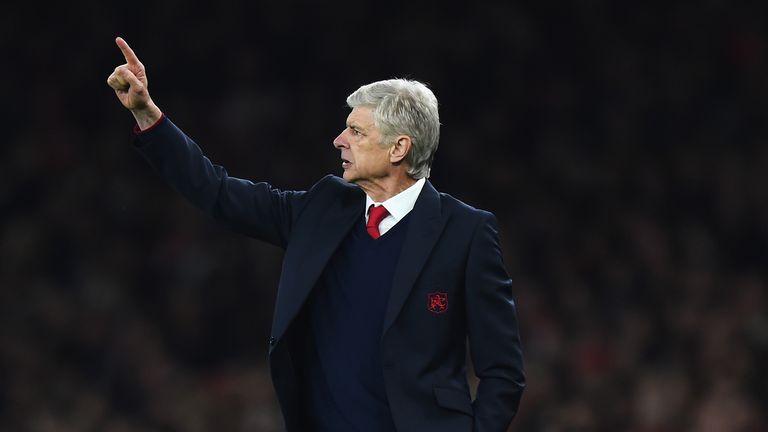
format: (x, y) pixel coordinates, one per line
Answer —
(383, 278)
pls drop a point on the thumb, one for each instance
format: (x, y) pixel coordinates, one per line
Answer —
(128, 76)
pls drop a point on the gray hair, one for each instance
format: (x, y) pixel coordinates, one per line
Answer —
(404, 107)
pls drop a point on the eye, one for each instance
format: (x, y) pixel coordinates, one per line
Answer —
(355, 132)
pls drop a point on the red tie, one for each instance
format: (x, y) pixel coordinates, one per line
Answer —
(375, 216)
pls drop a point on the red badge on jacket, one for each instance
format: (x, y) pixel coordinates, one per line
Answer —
(437, 302)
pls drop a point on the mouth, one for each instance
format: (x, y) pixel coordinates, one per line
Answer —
(345, 163)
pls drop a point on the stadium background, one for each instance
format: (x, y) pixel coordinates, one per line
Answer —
(622, 147)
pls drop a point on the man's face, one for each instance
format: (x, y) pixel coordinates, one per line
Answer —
(363, 157)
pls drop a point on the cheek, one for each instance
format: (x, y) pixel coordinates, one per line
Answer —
(368, 159)
(370, 156)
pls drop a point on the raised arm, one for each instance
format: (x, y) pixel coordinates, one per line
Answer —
(254, 209)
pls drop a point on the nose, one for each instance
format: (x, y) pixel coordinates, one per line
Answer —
(340, 141)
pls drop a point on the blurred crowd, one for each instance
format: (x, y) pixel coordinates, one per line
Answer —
(623, 148)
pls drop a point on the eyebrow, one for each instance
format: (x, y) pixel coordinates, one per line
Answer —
(353, 125)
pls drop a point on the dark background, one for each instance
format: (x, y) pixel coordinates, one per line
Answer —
(622, 146)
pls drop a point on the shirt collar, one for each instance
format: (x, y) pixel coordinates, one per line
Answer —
(400, 204)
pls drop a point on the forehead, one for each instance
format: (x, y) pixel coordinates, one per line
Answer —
(361, 116)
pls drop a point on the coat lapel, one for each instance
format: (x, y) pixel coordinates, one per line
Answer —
(314, 245)
(423, 231)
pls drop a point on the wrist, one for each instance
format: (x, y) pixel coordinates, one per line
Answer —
(147, 116)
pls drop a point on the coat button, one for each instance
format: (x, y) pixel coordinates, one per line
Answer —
(272, 340)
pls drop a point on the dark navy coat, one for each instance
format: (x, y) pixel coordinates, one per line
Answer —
(450, 285)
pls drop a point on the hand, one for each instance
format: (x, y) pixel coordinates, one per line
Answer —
(130, 84)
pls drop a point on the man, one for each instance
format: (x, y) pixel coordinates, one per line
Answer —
(383, 278)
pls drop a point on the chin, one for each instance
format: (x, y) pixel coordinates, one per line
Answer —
(350, 177)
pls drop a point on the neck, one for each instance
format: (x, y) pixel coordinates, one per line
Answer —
(385, 188)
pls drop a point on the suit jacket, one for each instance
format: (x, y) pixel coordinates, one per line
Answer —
(450, 285)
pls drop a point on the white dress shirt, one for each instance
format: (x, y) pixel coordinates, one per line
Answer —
(398, 206)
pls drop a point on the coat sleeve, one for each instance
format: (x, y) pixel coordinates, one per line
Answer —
(254, 209)
(494, 338)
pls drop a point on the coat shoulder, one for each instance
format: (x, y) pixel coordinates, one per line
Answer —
(332, 185)
(454, 206)
(336, 183)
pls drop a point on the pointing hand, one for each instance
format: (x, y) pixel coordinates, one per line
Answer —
(129, 81)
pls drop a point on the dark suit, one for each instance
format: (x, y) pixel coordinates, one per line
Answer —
(449, 284)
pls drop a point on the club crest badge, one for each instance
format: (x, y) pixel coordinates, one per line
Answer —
(437, 302)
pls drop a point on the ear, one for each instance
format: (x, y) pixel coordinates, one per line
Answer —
(400, 149)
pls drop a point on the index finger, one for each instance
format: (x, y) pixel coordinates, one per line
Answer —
(128, 53)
